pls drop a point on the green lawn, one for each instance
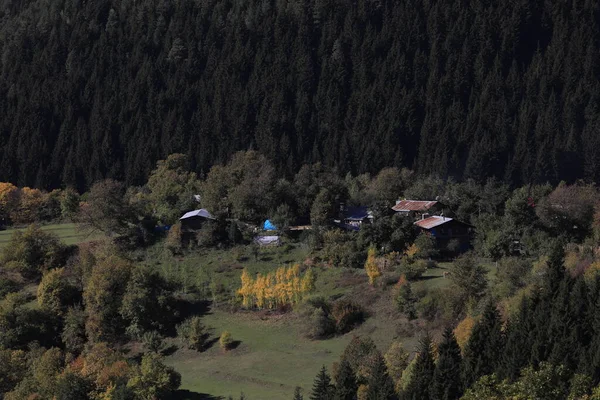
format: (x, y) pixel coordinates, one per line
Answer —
(274, 356)
(67, 232)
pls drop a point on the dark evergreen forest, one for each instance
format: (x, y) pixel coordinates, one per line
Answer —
(461, 88)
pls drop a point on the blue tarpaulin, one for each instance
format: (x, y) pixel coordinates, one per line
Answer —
(268, 226)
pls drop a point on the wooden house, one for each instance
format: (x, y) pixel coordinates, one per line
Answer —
(451, 236)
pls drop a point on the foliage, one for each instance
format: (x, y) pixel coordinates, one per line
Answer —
(153, 379)
(347, 315)
(102, 297)
(482, 352)
(242, 187)
(345, 382)
(414, 269)
(405, 299)
(422, 373)
(69, 203)
(371, 266)
(282, 287)
(173, 242)
(193, 333)
(396, 361)
(225, 340)
(446, 383)
(340, 249)
(469, 278)
(380, 385)
(55, 293)
(322, 388)
(33, 251)
(172, 188)
(106, 210)
(426, 246)
(147, 302)
(153, 341)
(73, 333)
(569, 210)
(13, 368)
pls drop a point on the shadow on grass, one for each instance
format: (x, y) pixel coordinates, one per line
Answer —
(169, 350)
(426, 278)
(234, 345)
(187, 395)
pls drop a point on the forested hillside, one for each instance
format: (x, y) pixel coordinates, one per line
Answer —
(468, 89)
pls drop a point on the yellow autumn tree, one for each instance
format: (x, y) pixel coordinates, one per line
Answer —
(463, 330)
(9, 199)
(278, 288)
(247, 289)
(30, 203)
(371, 266)
(592, 271)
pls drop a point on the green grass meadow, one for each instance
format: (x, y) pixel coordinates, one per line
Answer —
(67, 232)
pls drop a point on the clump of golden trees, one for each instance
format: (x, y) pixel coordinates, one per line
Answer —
(284, 286)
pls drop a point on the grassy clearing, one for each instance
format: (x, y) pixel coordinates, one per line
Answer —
(274, 356)
(67, 232)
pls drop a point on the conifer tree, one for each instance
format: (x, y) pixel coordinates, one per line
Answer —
(446, 384)
(483, 350)
(345, 382)
(422, 374)
(380, 385)
(298, 393)
(322, 388)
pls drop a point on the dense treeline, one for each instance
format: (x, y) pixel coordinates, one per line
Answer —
(469, 89)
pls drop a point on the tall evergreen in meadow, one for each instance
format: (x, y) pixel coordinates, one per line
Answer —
(322, 388)
(380, 385)
(345, 382)
(447, 382)
(485, 346)
(419, 385)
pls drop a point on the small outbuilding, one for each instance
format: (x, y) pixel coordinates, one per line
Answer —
(193, 220)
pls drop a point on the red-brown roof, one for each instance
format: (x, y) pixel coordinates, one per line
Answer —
(413, 205)
(432, 222)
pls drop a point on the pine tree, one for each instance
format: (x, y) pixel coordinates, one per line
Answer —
(484, 348)
(345, 382)
(380, 385)
(422, 374)
(298, 393)
(322, 388)
(447, 383)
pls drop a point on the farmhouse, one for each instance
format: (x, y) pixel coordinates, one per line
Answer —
(451, 236)
(418, 208)
(353, 217)
(193, 220)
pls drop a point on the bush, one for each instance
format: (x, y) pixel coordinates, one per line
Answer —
(414, 269)
(33, 251)
(153, 341)
(226, 341)
(347, 315)
(7, 286)
(173, 242)
(192, 333)
(321, 324)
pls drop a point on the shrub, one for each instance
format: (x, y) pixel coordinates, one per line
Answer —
(226, 341)
(173, 242)
(192, 333)
(347, 315)
(153, 341)
(33, 251)
(7, 286)
(321, 325)
(414, 269)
